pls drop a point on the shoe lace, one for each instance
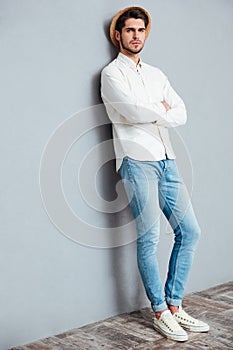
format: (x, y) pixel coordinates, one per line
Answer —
(171, 324)
(183, 316)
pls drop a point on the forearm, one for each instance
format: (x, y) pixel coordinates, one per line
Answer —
(174, 116)
(137, 113)
(174, 107)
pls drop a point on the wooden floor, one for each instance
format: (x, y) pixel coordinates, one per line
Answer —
(134, 331)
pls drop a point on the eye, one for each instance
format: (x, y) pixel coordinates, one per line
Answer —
(128, 30)
(142, 30)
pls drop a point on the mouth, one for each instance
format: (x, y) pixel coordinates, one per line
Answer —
(136, 42)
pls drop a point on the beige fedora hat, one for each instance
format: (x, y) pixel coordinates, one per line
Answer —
(115, 18)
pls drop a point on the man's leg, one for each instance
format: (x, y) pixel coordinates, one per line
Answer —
(176, 205)
(141, 184)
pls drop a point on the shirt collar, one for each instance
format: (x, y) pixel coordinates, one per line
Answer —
(128, 61)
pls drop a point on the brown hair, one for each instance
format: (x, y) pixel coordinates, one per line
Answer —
(136, 13)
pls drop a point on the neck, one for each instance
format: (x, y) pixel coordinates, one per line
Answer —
(134, 57)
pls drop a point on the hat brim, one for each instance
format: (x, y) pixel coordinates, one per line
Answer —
(115, 18)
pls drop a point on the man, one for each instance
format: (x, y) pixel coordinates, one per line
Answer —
(142, 105)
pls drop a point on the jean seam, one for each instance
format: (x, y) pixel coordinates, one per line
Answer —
(179, 247)
(136, 198)
(139, 211)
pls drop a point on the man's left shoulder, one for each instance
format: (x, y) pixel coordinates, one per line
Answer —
(154, 70)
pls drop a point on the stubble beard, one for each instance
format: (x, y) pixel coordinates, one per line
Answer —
(129, 50)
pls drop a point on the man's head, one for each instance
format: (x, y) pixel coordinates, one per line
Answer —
(130, 28)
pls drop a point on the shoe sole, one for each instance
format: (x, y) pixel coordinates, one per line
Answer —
(195, 329)
(180, 338)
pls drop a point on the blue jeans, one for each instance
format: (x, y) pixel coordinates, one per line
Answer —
(152, 186)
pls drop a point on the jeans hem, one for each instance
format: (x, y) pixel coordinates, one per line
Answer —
(160, 307)
(174, 302)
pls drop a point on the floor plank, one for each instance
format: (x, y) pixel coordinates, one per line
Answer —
(134, 331)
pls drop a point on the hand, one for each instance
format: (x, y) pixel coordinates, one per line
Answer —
(166, 105)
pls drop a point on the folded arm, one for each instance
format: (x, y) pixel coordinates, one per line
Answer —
(175, 108)
(115, 91)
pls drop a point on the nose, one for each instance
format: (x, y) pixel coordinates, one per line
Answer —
(136, 34)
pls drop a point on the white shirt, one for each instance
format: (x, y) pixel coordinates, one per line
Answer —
(132, 95)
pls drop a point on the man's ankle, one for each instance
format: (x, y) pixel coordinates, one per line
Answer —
(159, 313)
(173, 308)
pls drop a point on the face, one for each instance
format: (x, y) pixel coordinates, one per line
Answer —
(132, 37)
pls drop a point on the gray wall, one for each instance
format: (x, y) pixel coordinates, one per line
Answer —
(51, 55)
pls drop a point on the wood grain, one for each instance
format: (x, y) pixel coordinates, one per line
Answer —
(134, 331)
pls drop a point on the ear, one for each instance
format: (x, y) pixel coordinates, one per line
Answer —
(117, 35)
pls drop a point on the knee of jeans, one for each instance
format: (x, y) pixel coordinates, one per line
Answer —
(190, 235)
(148, 241)
(194, 234)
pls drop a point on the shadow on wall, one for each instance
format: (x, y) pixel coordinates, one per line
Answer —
(112, 53)
(123, 275)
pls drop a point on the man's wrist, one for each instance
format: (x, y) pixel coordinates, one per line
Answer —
(166, 105)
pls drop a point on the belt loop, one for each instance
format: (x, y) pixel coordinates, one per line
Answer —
(163, 164)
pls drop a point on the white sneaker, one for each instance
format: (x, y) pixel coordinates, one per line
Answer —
(190, 323)
(168, 326)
